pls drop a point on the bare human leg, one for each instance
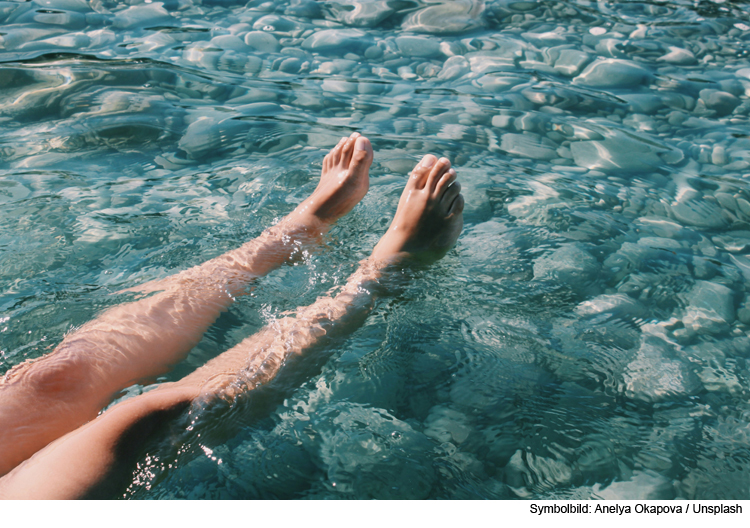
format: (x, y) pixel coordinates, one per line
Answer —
(96, 459)
(42, 400)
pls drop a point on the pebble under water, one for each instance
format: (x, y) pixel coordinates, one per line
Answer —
(588, 337)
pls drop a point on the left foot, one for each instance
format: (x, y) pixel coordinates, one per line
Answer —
(343, 182)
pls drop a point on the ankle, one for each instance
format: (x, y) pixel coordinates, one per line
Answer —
(303, 221)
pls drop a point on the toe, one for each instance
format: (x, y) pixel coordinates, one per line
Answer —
(450, 195)
(441, 167)
(348, 148)
(445, 181)
(334, 156)
(421, 171)
(363, 154)
(457, 206)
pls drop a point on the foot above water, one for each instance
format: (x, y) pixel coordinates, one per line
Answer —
(343, 182)
(429, 217)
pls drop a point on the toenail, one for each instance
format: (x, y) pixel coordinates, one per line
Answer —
(428, 161)
(361, 144)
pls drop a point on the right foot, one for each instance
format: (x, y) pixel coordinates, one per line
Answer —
(343, 182)
(429, 215)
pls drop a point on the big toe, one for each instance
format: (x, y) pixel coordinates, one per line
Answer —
(362, 157)
(421, 172)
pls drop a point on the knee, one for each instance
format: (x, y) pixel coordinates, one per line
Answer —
(54, 376)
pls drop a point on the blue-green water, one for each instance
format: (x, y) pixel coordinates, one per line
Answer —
(589, 335)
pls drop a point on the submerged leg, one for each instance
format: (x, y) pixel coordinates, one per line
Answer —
(44, 399)
(96, 459)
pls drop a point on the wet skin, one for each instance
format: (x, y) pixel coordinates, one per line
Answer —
(95, 459)
(53, 395)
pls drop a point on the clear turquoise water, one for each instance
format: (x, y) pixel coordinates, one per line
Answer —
(589, 335)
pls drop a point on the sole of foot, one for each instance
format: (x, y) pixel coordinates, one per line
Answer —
(429, 217)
